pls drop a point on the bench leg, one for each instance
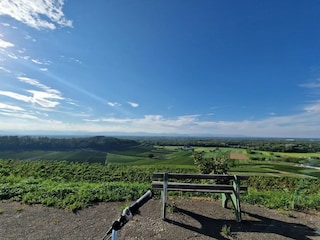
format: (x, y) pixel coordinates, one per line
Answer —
(164, 205)
(164, 196)
(235, 203)
(225, 197)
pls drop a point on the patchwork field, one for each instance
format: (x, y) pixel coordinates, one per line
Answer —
(241, 160)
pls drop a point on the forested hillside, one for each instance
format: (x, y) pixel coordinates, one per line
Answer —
(99, 143)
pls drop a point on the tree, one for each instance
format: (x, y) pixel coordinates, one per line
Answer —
(218, 164)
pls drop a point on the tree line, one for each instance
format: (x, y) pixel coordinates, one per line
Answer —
(99, 143)
(260, 144)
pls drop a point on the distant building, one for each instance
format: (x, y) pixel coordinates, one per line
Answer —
(188, 149)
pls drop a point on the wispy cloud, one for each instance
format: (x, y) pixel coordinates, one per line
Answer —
(114, 104)
(12, 55)
(24, 116)
(28, 37)
(38, 14)
(47, 97)
(313, 107)
(133, 104)
(5, 24)
(110, 120)
(5, 44)
(16, 96)
(314, 84)
(36, 61)
(15, 112)
(304, 124)
(36, 83)
(5, 70)
(8, 107)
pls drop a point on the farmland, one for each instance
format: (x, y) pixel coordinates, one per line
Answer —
(74, 175)
(243, 159)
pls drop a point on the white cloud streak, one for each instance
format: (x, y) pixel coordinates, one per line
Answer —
(5, 70)
(36, 61)
(8, 107)
(315, 84)
(5, 44)
(16, 96)
(133, 104)
(36, 83)
(114, 104)
(39, 14)
(46, 98)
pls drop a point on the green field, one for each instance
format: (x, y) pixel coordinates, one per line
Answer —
(160, 157)
(85, 155)
(259, 163)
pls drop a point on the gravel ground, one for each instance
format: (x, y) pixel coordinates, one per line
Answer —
(191, 219)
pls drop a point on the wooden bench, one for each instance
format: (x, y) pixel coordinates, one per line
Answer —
(228, 185)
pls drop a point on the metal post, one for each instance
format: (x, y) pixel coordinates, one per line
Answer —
(164, 195)
(114, 235)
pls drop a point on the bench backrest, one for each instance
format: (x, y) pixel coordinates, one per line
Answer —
(198, 176)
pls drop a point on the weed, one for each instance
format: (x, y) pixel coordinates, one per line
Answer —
(226, 230)
(172, 208)
(55, 221)
(286, 213)
(20, 209)
(1, 210)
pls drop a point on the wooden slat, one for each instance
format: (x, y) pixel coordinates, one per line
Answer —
(188, 187)
(195, 187)
(197, 176)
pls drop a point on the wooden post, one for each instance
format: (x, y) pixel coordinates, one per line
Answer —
(164, 195)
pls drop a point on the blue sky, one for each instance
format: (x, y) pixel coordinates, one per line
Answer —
(222, 68)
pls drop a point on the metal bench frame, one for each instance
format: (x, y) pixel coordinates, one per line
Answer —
(229, 191)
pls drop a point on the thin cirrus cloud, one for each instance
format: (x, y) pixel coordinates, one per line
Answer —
(43, 99)
(114, 104)
(15, 111)
(5, 44)
(46, 98)
(133, 104)
(31, 12)
(312, 84)
(9, 108)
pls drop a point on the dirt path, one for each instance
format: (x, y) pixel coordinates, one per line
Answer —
(194, 219)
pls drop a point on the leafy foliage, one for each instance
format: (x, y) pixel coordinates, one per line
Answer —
(218, 164)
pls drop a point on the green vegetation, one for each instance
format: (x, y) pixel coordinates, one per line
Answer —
(72, 185)
(216, 164)
(226, 230)
(73, 173)
(76, 185)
